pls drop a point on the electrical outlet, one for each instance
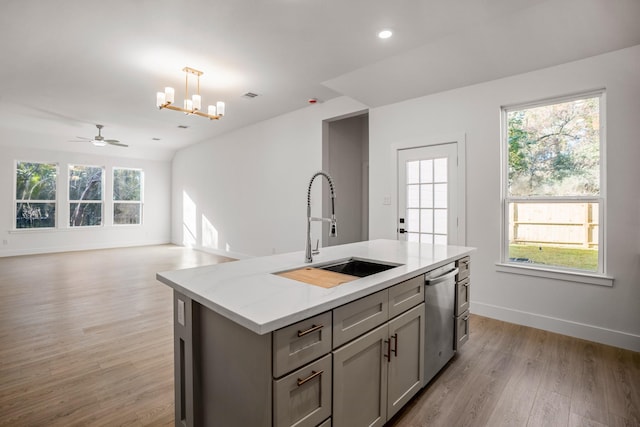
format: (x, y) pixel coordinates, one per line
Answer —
(386, 200)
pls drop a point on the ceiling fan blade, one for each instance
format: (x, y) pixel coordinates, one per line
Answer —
(115, 142)
(84, 138)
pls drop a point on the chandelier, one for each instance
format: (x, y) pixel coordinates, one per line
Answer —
(192, 105)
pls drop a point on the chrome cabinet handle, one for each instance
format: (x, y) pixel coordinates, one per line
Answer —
(313, 328)
(310, 377)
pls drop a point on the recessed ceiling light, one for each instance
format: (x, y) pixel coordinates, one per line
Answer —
(385, 34)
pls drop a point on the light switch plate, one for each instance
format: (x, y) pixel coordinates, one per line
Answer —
(181, 312)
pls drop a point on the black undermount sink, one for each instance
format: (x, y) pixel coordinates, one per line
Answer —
(358, 267)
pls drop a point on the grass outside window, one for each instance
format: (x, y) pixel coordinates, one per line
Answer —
(574, 258)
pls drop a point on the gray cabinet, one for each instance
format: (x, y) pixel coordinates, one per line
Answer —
(377, 373)
(360, 381)
(354, 319)
(355, 365)
(406, 364)
(461, 307)
(405, 295)
(300, 343)
(303, 398)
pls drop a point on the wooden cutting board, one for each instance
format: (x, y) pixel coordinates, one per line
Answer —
(318, 277)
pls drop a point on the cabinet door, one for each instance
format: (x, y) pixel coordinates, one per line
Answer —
(303, 398)
(464, 268)
(406, 368)
(405, 295)
(462, 330)
(300, 343)
(360, 381)
(462, 296)
(355, 318)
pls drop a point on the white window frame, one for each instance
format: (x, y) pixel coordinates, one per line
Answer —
(554, 272)
(70, 201)
(14, 227)
(115, 202)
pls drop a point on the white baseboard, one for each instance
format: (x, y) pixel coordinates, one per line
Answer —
(82, 247)
(561, 326)
(228, 254)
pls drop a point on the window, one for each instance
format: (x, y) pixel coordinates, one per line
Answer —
(85, 195)
(35, 197)
(553, 193)
(127, 196)
(427, 201)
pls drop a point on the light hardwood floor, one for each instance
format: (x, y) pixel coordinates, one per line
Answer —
(86, 339)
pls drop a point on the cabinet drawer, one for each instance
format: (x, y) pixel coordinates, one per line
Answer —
(303, 398)
(464, 267)
(301, 343)
(461, 330)
(462, 296)
(327, 423)
(406, 295)
(355, 318)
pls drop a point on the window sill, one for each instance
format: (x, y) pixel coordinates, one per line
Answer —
(571, 276)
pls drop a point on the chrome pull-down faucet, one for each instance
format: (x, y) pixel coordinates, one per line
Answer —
(332, 220)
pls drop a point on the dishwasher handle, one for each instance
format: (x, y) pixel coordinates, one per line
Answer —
(439, 279)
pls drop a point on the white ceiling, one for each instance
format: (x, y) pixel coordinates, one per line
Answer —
(66, 65)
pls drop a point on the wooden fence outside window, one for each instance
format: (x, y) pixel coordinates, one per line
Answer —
(555, 224)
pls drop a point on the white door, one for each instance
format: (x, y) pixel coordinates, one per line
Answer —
(428, 190)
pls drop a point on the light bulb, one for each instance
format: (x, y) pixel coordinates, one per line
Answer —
(160, 99)
(196, 102)
(220, 107)
(169, 94)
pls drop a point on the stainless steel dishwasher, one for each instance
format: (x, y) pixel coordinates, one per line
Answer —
(440, 296)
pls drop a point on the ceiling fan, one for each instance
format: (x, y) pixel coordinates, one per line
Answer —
(99, 140)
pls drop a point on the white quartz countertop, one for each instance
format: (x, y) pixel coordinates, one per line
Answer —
(248, 292)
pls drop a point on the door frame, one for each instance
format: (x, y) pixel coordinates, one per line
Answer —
(426, 141)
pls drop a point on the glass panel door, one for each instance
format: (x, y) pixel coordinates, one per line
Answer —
(427, 180)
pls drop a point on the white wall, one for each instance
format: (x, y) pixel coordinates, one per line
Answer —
(605, 314)
(157, 203)
(245, 193)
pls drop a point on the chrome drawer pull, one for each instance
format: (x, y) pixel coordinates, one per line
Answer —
(313, 328)
(310, 377)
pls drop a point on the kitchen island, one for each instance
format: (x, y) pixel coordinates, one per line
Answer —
(253, 347)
